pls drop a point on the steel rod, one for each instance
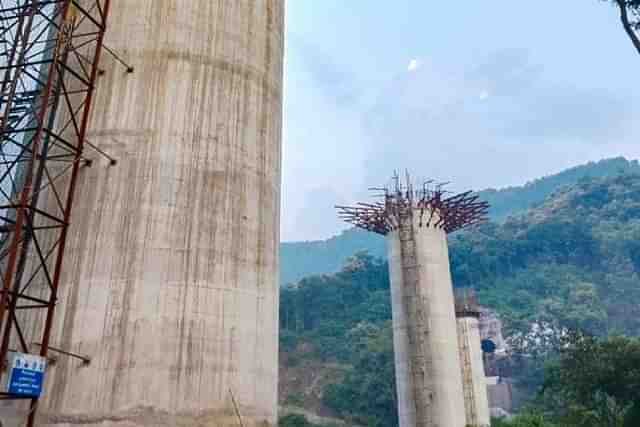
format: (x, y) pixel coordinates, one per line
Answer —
(451, 213)
(85, 359)
(129, 68)
(112, 160)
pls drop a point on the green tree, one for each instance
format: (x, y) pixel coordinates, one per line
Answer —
(525, 420)
(580, 308)
(630, 18)
(294, 420)
(595, 382)
(367, 394)
(297, 420)
(572, 262)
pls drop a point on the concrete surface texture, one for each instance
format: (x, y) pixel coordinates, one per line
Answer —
(428, 377)
(500, 394)
(170, 276)
(13, 414)
(473, 379)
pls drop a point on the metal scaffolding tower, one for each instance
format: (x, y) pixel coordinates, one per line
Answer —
(49, 53)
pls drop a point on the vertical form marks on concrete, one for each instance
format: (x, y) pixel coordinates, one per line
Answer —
(474, 382)
(471, 361)
(170, 277)
(401, 343)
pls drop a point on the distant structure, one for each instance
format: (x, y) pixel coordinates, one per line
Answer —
(416, 223)
(501, 392)
(169, 281)
(474, 383)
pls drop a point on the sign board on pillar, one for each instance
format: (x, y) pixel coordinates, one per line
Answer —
(26, 375)
(488, 346)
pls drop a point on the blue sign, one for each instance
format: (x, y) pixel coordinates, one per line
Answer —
(488, 346)
(26, 375)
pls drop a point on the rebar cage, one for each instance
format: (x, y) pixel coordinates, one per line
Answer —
(435, 207)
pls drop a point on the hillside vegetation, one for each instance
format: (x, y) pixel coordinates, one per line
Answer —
(571, 261)
(300, 259)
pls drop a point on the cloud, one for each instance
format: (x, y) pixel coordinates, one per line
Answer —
(413, 65)
(322, 141)
(361, 102)
(506, 72)
(593, 116)
(336, 81)
(498, 121)
(317, 216)
(498, 118)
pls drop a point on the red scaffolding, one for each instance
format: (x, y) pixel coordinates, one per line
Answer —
(49, 53)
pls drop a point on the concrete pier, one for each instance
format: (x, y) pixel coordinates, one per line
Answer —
(170, 278)
(474, 382)
(428, 377)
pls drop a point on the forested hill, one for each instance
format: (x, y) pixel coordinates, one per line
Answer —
(510, 200)
(300, 259)
(572, 261)
(575, 257)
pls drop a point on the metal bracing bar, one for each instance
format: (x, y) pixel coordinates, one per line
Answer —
(129, 68)
(112, 160)
(85, 359)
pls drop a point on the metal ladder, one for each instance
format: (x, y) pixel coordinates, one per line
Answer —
(467, 375)
(415, 305)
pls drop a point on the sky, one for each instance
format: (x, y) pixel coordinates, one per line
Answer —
(480, 93)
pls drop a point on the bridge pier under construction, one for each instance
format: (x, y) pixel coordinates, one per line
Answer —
(416, 221)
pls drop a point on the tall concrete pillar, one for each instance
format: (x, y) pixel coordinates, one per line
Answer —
(428, 378)
(170, 278)
(425, 338)
(474, 382)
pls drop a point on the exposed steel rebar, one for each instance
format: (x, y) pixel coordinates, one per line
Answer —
(431, 202)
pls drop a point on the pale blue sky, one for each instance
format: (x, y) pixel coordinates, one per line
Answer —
(484, 93)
